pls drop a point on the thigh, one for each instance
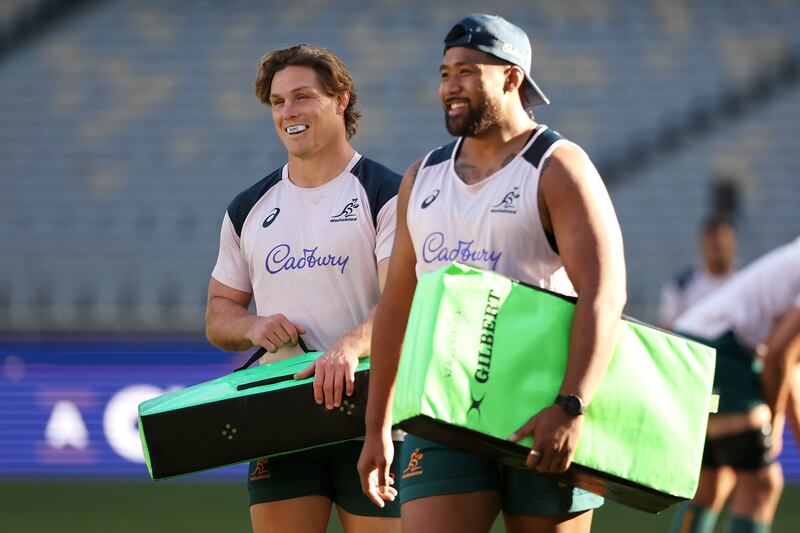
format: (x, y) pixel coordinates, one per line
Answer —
(470, 512)
(307, 514)
(367, 524)
(757, 493)
(570, 523)
(526, 493)
(347, 493)
(443, 489)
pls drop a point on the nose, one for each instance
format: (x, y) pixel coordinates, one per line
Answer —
(289, 110)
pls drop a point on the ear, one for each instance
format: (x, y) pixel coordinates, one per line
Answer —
(515, 78)
(342, 101)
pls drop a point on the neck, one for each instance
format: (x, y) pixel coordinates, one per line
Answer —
(321, 167)
(515, 130)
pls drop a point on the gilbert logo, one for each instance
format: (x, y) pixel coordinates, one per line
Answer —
(261, 471)
(509, 202)
(429, 200)
(271, 217)
(476, 405)
(414, 468)
(484, 360)
(348, 213)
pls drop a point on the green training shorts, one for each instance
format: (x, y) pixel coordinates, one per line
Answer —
(328, 471)
(431, 469)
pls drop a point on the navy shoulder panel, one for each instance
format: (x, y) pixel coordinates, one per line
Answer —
(441, 154)
(380, 183)
(241, 206)
(682, 280)
(536, 151)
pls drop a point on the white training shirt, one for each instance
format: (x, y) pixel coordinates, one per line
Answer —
(311, 253)
(493, 224)
(685, 290)
(751, 301)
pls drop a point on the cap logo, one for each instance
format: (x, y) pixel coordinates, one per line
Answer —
(509, 48)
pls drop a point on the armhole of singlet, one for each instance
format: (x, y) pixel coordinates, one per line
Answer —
(536, 153)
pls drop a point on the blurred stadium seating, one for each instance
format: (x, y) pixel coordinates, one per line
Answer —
(128, 125)
(128, 128)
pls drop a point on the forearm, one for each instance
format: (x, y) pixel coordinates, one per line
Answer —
(228, 324)
(358, 339)
(793, 406)
(593, 337)
(781, 351)
(778, 374)
(391, 322)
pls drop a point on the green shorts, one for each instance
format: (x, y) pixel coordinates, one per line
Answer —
(328, 471)
(431, 469)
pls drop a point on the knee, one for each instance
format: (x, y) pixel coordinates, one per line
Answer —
(770, 480)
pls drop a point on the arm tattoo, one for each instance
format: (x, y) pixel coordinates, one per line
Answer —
(545, 164)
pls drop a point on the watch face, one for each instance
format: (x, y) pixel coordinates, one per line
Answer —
(573, 405)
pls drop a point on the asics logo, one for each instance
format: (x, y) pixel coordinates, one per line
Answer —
(429, 200)
(271, 217)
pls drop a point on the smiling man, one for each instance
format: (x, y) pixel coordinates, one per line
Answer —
(310, 242)
(512, 196)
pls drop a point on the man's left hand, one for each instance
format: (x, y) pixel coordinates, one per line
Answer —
(555, 438)
(334, 372)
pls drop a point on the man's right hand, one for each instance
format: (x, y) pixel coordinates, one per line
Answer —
(274, 331)
(373, 468)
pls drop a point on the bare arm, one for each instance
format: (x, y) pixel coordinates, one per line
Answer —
(576, 207)
(590, 244)
(230, 326)
(335, 371)
(358, 339)
(781, 352)
(793, 408)
(227, 318)
(391, 318)
(391, 315)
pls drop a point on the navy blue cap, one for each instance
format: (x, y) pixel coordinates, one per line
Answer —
(496, 36)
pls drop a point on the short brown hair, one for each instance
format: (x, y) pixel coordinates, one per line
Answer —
(331, 72)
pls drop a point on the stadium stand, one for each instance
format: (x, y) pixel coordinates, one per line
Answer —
(127, 129)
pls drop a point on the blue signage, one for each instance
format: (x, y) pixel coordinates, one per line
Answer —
(68, 407)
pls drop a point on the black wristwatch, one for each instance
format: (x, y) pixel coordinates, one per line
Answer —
(572, 404)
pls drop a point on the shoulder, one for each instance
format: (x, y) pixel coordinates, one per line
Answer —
(565, 168)
(374, 175)
(439, 155)
(379, 183)
(540, 151)
(244, 202)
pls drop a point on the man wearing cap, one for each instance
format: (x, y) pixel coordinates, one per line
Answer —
(527, 204)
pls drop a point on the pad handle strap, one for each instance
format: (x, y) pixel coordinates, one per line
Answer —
(261, 351)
